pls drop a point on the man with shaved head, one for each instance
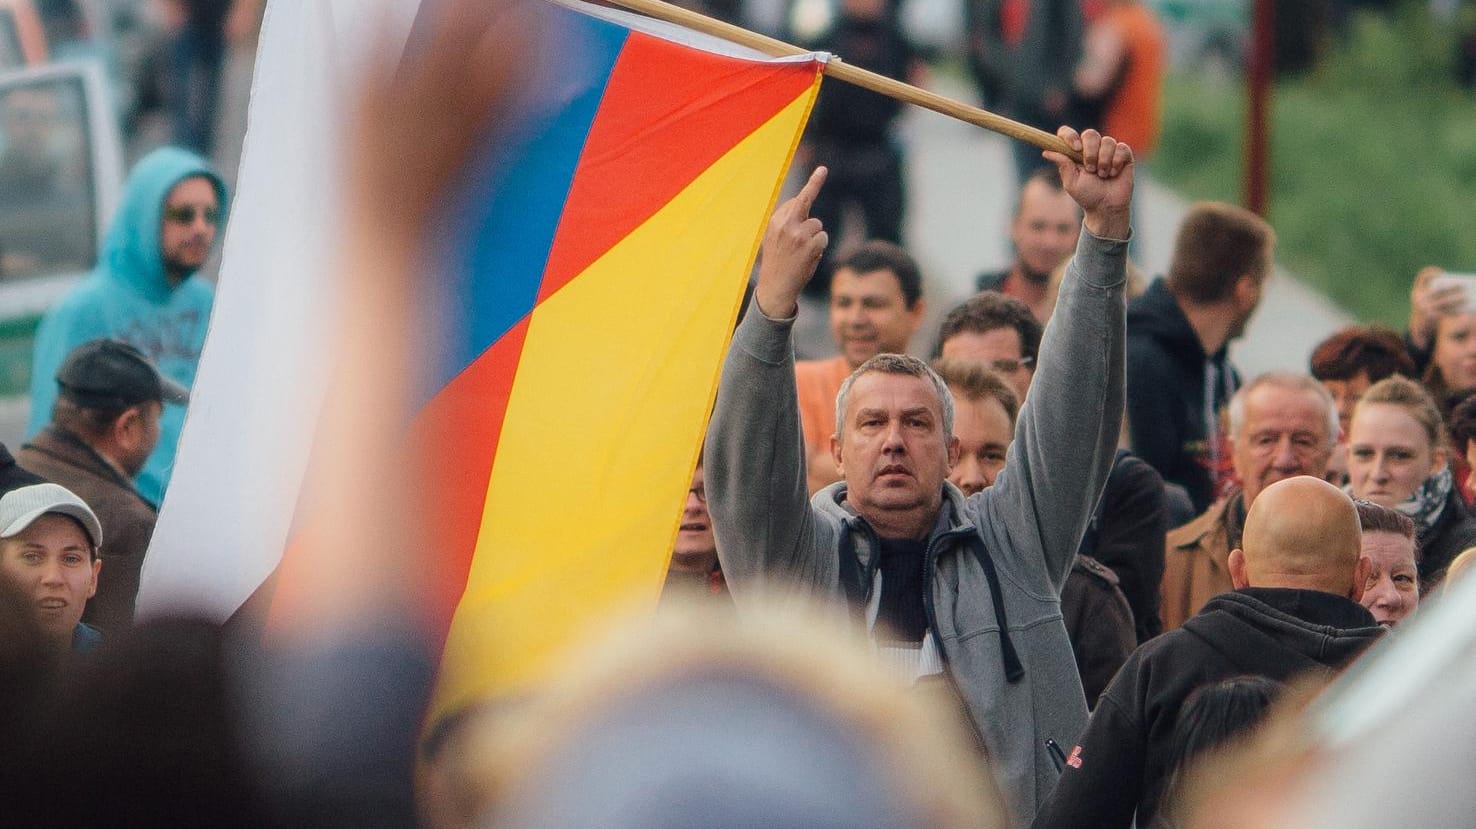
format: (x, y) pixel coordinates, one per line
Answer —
(1298, 574)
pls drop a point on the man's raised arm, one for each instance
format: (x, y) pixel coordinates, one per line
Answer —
(755, 456)
(1066, 437)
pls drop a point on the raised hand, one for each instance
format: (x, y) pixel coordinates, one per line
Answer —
(793, 245)
(1429, 302)
(1102, 183)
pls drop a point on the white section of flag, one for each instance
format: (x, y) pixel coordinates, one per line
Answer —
(245, 443)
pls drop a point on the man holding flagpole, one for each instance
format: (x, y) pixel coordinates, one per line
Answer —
(962, 593)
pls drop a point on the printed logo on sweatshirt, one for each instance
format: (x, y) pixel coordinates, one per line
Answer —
(1074, 760)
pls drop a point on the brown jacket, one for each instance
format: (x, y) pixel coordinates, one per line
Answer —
(1196, 565)
(127, 518)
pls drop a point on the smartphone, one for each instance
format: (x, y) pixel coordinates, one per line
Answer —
(1465, 280)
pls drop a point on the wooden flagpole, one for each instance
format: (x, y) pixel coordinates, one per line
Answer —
(840, 70)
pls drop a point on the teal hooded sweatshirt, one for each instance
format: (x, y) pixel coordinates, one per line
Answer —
(128, 297)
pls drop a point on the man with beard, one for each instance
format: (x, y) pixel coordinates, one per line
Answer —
(1179, 375)
(1043, 232)
(144, 291)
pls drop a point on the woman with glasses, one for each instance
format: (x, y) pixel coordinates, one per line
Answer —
(1397, 458)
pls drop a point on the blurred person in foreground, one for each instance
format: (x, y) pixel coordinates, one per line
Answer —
(1282, 424)
(1216, 716)
(145, 291)
(1298, 575)
(958, 592)
(1347, 363)
(48, 548)
(1397, 459)
(876, 305)
(1097, 616)
(1179, 333)
(1043, 233)
(703, 719)
(1392, 592)
(104, 424)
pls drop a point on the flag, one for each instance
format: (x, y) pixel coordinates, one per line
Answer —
(599, 257)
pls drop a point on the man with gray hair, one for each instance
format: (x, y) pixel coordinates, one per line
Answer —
(1282, 424)
(958, 593)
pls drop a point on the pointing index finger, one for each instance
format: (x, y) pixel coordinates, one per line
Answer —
(811, 190)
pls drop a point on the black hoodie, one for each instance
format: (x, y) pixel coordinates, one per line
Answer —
(1122, 761)
(1169, 396)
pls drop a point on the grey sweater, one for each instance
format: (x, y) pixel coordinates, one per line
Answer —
(1029, 523)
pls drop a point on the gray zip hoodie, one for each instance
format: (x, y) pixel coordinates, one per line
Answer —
(1002, 637)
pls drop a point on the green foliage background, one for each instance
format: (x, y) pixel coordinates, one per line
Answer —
(1373, 160)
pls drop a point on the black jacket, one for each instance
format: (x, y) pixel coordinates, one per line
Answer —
(14, 476)
(1452, 532)
(1121, 764)
(1166, 391)
(1127, 533)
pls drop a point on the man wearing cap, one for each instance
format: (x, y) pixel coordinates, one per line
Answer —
(48, 550)
(104, 424)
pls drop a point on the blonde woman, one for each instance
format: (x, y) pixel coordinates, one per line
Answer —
(1397, 458)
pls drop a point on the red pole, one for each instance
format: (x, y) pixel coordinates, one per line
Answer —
(1260, 73)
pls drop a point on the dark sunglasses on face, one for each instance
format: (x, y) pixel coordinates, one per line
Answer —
(185, 214)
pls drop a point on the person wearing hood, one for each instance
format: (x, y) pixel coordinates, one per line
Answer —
(145, 291)
(1299, 574)
(956, 593)
(1179, 374)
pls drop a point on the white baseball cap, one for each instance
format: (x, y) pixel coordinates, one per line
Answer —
(19, 508)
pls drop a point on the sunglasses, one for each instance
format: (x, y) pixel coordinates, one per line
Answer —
(185, 214)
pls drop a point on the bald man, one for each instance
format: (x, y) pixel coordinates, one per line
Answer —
(1298, 576)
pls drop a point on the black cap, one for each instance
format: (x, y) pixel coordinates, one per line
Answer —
(108, 374)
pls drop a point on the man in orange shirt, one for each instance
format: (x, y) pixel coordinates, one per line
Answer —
(876, 306)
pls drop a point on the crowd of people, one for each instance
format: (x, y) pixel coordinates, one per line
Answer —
(1076, 552)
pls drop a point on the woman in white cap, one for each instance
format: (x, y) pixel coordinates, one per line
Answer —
(48, 549)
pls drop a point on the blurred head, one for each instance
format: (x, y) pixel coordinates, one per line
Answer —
(191, 211)
(1301, 533)
(1282, 424)
(1392, 590)
(1046, 224)
(894, 439)
(1355, 358)
(984, 422)
(997, 332)
(695, 549)
(1394, 443)
(1453, 364)
(776, 718)
(48, 549)
(1217, 714)
(875, 301)
(1460, 566)
(1222, 257)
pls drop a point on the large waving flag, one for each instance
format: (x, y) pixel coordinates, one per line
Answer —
(601, 257)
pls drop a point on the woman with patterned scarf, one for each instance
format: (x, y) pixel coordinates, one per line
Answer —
(1397, 458)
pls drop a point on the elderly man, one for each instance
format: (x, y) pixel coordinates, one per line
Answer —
(1298, 574)
(1282, 424)
(964, 593)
